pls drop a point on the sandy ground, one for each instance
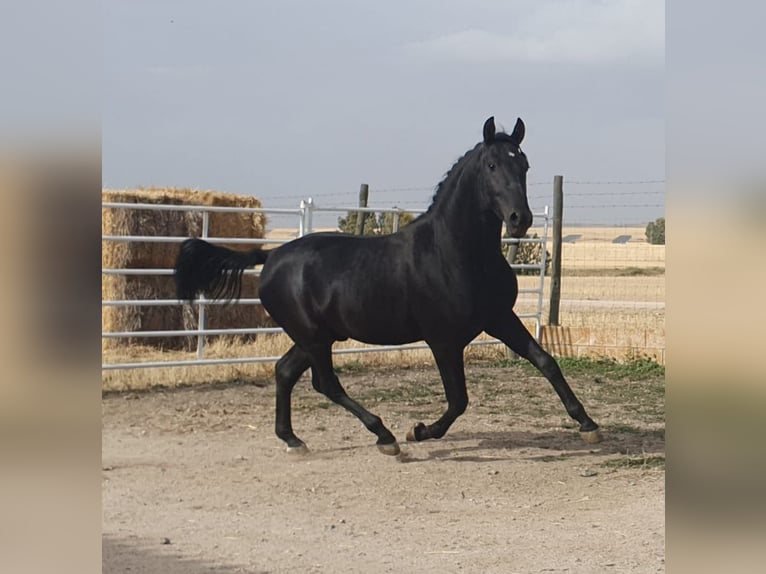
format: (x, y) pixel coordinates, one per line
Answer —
(195, 480)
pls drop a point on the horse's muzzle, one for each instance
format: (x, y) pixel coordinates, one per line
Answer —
(518, 223)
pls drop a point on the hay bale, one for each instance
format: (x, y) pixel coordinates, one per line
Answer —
(149, 255)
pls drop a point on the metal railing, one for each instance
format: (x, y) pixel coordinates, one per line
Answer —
(305, 224)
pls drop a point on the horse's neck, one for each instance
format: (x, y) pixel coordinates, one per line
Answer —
(459, 218)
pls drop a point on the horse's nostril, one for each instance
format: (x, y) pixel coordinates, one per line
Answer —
(514, 217)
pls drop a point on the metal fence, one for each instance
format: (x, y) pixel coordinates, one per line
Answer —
(304, 216)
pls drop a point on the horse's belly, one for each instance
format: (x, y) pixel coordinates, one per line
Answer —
(380, 328)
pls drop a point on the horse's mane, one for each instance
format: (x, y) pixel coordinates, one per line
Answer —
(459, 165)
(451, 175)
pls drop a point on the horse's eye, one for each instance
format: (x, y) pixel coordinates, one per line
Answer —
(491, 166)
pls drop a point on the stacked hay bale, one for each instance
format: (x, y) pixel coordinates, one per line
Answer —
(150, 255)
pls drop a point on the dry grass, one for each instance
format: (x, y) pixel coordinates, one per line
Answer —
(594, 255)
(264, 346)
(276, 345)
(605, 234)
(624, 319)
(218, 347)
(601, 288)
(594, 249)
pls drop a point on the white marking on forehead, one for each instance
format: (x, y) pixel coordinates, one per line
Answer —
(510, 153)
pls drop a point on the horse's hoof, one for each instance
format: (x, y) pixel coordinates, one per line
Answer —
(412, 435)
(592, 437)
(391, 449)
(299, 450)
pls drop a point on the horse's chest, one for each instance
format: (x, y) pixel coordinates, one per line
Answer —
(448, 300)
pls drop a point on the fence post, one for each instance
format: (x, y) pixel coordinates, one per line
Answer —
(202, 309)
(309, 226)
(558, 218)
(513, 248)
(302, 218)
(364, 193)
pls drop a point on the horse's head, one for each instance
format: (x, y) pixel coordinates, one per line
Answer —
(503, 177)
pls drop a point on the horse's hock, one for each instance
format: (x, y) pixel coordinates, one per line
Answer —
(151, 255)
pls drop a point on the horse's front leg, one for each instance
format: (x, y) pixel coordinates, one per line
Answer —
(510, 330)
(450, 363)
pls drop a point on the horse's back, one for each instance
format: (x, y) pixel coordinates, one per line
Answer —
(331, 256)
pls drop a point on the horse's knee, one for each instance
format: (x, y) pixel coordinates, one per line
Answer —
(544, 362)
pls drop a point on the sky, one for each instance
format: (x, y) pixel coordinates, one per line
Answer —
(286, 100)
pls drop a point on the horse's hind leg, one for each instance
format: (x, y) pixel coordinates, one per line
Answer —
(288, 370)
(511, 331)
(329, 385)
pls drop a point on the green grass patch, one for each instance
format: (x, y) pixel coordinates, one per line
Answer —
(614, 272)
(641, 272)
(351, 367)
(633, 369)
(551, 458)
(625, 429)
(642, 462)
(634, 431)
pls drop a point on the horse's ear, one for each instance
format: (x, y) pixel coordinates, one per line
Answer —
(518, 132)
(489, 131)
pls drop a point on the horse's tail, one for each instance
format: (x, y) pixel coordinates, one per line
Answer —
(216, 271)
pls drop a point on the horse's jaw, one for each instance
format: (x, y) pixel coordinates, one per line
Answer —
(515, 231)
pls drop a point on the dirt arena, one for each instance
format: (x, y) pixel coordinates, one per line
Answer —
(194, 480)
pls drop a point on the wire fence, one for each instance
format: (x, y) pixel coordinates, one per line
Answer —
(613, 277)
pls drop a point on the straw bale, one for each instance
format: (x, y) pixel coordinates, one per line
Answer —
(149, 255)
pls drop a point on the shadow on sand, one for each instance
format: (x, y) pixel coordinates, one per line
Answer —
(138, 556)
(529, 445)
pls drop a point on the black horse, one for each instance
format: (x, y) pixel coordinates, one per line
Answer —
(442, 279)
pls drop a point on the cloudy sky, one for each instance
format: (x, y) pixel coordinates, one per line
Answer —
(291, 99)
